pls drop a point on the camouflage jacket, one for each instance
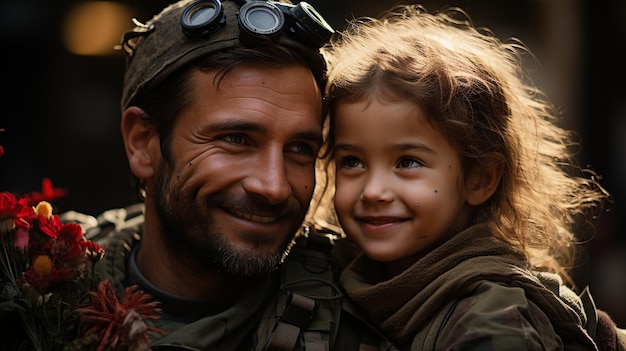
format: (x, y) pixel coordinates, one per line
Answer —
(265, 316)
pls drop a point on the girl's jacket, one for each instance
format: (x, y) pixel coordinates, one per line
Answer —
(473, 292)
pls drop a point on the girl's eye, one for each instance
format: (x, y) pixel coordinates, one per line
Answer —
(409, 163)
(350, 162)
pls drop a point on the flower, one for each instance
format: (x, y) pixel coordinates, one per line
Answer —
(1, 147)
(48, 193)
(119, 325)
(48, 285)
(13, 212)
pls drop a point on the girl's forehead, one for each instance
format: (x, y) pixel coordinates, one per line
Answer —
(375, 116)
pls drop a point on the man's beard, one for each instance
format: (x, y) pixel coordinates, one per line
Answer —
(190, 231)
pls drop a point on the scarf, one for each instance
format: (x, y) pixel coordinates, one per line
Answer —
(405, 303)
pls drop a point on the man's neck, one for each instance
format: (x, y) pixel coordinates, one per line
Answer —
(177, 275)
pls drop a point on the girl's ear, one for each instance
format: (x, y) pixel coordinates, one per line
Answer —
(141, 142)
(483, 180)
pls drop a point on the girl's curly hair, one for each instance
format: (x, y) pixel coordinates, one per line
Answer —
(477, 92)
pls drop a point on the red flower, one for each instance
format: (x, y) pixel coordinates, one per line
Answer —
(48, 193)
(44, 278)
(119, 324)
(50, 226)
(1, 148)
(19, 210)
(93, 250)
(67, 247)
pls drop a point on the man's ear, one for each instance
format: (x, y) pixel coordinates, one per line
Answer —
(141, 142)
(483, 180)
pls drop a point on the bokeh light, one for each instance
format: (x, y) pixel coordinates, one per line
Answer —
(95, 27)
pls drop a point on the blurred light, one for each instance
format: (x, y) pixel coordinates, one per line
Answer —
(95, 27)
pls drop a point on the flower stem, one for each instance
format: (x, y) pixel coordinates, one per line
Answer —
(7, 263)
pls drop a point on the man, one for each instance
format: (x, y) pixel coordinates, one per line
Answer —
(222, 123)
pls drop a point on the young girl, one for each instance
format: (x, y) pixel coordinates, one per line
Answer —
(454, 179)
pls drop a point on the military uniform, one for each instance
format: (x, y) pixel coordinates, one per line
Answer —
(252, 321)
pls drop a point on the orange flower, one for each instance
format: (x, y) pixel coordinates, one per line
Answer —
(42, 265)
(43, 209)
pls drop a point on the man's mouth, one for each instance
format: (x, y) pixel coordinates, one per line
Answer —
(254, 218)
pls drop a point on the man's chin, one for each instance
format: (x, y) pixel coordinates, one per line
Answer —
(248, 266)
(259, 241)
(254, 258)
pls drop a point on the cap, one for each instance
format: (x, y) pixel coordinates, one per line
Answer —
(159, 48)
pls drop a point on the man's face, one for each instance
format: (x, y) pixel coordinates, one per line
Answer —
(242, 170)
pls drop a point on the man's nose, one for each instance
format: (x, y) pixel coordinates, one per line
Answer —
(268, 179)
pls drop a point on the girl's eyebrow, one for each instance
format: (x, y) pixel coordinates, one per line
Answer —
(401, 147)
(345, 146)
(414, 147)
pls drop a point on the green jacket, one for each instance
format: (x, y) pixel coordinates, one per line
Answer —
(260, 310)
(471, 293)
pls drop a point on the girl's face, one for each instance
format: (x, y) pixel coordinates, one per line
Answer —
(399, 185)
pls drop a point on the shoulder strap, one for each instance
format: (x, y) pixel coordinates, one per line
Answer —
(307, 310)
(310, 307)
(601, 327)
(589, 307)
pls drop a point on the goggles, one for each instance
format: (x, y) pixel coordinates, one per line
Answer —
(258, 20)
(189, 29)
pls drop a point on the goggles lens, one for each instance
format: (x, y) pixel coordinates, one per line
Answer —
(259, 19)
(201, 18)
(202, 14)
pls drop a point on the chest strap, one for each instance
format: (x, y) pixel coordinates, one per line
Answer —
(298, 313)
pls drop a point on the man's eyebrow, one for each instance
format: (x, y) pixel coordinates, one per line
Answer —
(315, 137)
(235, 125)
(240, 125)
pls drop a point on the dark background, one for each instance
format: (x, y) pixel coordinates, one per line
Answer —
(60, 111)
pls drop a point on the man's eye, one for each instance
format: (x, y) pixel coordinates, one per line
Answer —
(304, 149)
(235, 138)
(409, 163)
